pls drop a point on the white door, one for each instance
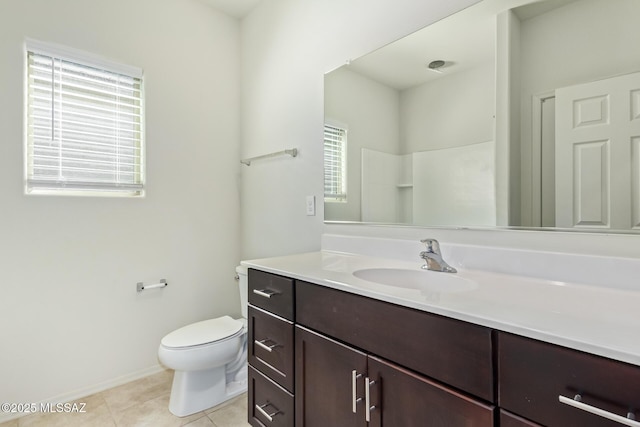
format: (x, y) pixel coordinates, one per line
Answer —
(597, 154)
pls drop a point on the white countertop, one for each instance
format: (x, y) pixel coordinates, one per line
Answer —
(599, 320)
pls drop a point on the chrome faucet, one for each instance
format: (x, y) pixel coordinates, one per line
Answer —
(433, 257)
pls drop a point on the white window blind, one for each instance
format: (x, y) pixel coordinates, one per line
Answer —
(84, 127)
(335, 163)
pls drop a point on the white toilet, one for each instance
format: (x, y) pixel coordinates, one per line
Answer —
(209, 359)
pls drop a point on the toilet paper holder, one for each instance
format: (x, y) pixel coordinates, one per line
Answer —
(140, 286)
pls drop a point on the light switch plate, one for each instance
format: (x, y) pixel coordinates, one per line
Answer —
(311, 205)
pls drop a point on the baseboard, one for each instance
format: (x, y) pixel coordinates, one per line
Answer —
(88, 391)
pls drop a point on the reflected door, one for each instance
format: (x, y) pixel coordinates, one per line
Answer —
(597, 154)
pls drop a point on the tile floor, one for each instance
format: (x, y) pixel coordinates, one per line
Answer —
(144, 402)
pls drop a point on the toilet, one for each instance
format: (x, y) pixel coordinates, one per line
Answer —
(209, 359)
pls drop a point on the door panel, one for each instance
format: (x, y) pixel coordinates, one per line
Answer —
(324, 374)
(402, 398)
(597, 126)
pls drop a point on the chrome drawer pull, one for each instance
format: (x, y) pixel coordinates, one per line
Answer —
(268, 416)
(355, 399)
(576, 403)
(367, 399)
(267, 293)
(264, 346)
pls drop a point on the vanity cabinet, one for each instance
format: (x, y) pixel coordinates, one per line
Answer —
(329, 382)
(323, 357)
(269, 404)
(508, 419)
(270, 348)
(541, 382)
(377, 363)
(337, 385)
(450, 351)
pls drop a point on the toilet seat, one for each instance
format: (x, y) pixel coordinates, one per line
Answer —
(204, 332)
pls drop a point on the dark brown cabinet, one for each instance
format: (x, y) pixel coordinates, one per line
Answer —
(329, 382)
(411, 400)
(272, 293)
(268, 403)
(560, 387)
(453, 352)
(508, 419)
(322, 357)
(270, 348)
(394, 358)
(337, 385)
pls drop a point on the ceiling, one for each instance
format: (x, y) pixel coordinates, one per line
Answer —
(235, 8)
(464, 40)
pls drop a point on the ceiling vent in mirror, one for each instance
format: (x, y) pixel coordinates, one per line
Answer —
(436, 65)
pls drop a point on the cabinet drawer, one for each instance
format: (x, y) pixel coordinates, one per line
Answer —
(271, 346)
(271, 292)
(451, 351)
(509, 420)
(268, 404)
(533, 375)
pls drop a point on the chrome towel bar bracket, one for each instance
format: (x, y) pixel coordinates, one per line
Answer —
(141, 286)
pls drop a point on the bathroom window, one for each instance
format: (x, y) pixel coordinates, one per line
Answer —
(335, 163)
(84, 124)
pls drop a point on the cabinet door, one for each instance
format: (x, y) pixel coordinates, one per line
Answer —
(402, 398)
(450, 351)
(324, 392)
(507, 419)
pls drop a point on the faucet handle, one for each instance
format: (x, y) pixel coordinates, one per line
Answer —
(432, 245)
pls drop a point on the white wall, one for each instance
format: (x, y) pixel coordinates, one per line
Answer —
(451, 111)
(383, 198)
(567, 46)
(453, 186)
(287, 46)
(370, 111)
(71, 321)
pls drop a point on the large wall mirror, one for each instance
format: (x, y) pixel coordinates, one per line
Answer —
(513, 113)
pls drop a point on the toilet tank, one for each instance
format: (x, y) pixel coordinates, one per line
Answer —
(243, 283)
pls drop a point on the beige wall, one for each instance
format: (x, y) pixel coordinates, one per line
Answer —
(70, 318)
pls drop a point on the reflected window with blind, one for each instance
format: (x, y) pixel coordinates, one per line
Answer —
(335, 163)
(85, 123)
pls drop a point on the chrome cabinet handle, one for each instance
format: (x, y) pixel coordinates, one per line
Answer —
(265, 414)
(267, 293)
(355, 399)
(264, 346)
(367, 399)
(576, 402)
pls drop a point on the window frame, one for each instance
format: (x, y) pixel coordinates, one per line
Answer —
(34, 184)
(336, 196)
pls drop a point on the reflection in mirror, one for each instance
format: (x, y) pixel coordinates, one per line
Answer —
(530, 117)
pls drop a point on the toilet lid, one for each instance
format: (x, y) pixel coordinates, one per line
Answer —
(204, 332)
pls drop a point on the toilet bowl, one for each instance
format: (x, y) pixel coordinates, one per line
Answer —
(209, 359)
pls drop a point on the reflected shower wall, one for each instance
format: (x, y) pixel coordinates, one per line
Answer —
(445, 187)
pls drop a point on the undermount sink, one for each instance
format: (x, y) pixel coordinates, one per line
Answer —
(416, 279)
